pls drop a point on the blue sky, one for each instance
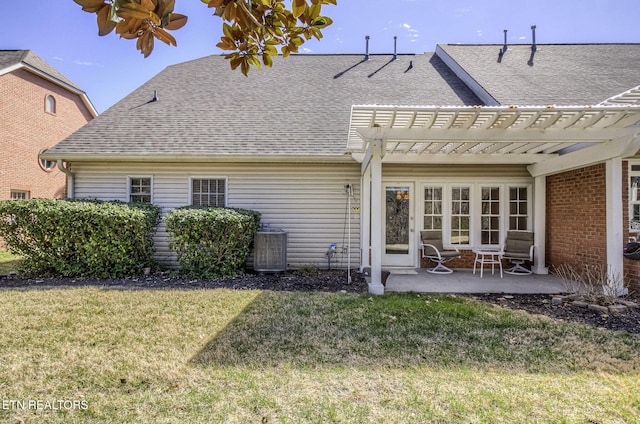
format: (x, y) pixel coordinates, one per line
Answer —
(109, 68)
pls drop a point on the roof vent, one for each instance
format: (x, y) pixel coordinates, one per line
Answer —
(366, 54)
(533, 38)
(155, 96)
(395, 50)
(504, 47)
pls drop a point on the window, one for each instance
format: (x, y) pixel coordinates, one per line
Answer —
(478, 213)
(518, 208)
(634, 195)
(50, 104)
(460, 215)
(209, 192)
(432, 208)
(140, 190)
(490, 216)
(19, 195)
(46, 165)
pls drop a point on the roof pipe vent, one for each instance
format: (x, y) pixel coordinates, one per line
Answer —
(366, 54)
(395, 50)
(533, 38)
(504, 47)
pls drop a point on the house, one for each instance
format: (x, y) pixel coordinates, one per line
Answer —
(367, 150)
(38, 108)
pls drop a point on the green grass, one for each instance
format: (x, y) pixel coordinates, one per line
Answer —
(8, 262)
(168, 356)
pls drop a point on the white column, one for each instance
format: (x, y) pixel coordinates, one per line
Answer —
(375, 286)
(365, 219)
(540, 225)
(615, 235)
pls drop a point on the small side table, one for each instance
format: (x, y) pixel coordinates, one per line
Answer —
(487, 257)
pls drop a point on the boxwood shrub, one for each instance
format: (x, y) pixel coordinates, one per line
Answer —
(211, 242)
(80, 238)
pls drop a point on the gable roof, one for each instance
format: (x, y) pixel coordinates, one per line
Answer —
(560, 74)
(11, 60)
(298, 108)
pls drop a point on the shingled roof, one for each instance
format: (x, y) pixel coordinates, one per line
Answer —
(560, 74)
(299, 108)
(11, 60)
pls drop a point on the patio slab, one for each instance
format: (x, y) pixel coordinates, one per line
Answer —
(464, 281)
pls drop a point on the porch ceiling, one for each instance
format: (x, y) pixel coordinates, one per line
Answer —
(511, 134)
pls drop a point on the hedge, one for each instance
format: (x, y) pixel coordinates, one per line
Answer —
(212, 242)
(80, 238)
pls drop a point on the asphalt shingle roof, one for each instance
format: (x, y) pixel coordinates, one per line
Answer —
(300, 107)
(560, 74)
(10, 58)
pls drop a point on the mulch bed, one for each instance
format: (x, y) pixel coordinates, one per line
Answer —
(336, 281)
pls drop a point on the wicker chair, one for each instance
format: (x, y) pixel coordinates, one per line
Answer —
(433, 250)
(518, 249)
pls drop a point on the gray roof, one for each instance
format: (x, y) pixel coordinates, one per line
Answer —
(561, 74)
(10, 58)
(300, 107)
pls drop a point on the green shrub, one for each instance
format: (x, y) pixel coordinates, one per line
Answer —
(80, 238)
(211, 242)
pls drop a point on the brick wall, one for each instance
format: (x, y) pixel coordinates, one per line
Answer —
(576, 217)
(26, 129)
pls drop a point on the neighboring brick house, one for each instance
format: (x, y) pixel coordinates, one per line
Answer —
(473, 140)
(38, 108)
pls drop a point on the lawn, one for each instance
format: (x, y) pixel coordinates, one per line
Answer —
(202, 356)
(8, 262)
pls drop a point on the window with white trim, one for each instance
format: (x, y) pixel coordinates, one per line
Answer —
(490, 216)
(432, 208)
(634, 194)
(140, 189)
(209, 192)
(518, 208)
(50, 104)
(19, 195)
(460, 215)
(477, 214)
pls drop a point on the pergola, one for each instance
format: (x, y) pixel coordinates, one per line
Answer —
(548, 139)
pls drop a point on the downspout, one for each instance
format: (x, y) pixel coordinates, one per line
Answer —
(70, 176)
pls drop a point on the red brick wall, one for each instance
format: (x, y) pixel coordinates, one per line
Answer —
(576, 217)
(26, 129)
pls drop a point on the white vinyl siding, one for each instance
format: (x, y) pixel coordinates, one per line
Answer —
(308, 201)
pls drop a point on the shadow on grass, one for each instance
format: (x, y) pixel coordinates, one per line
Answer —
(322, 329)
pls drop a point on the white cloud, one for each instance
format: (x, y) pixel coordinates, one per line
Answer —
(85, 63)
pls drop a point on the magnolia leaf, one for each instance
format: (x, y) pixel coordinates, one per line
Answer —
(164, 36)
(145, 44)
(105, 24)
(176, 21)
(235, 62)
(166, 8)
(322, 22)
(148, 4)
(297, 7)
(244, 66)
(314, 11)
(267, 60)
(214, 3)
(226, 44)
(91, 6)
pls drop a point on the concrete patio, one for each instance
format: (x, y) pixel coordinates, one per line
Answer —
(464, 281)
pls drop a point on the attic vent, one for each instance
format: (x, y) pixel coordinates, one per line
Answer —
(270, 251)
(533, 38)
(366, 54)
(504, 47)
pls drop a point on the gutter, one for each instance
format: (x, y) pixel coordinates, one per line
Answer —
(70, 176)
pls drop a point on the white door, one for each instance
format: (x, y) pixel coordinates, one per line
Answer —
(398, 234)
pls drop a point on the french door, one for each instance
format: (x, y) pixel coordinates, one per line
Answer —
(398, 219)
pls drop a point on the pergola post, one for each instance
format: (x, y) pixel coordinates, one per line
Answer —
(540, 225)
(365, 219)
(375, 286)
(615, 240)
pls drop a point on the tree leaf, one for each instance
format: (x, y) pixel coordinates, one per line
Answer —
(314, 11)
(166, 8)
(176, 21)
(267, 60)
(297, 7)
(105, 24)
(91, 5)
(164, 36)
(322, 22)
